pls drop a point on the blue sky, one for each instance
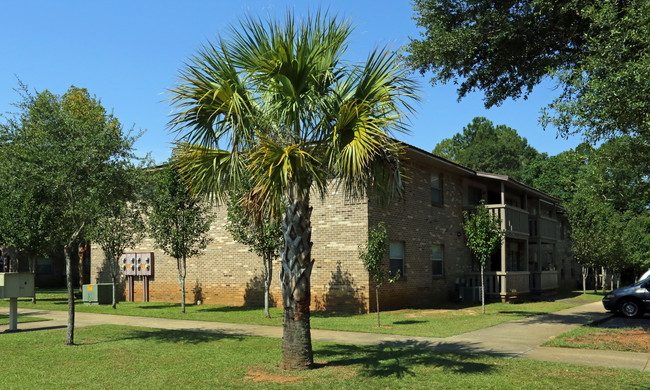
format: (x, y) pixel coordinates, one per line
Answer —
(128, 54)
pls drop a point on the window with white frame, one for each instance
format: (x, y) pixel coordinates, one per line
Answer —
(437, 251)
(396, 250)
(436, 189)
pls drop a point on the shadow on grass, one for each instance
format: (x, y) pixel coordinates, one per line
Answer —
(409, 322)
(394, 359)
(159, 306)
(228, 309)
(184, 336)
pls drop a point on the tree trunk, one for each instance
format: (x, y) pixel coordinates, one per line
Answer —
(595, 281)
(268, 276)
(482, 290)
(585, 272)
(182, 272)
(114, 280)
(32, 268)
(604, 279)
(377, 296)
(295, 276)
(69, 337)
(82, 254)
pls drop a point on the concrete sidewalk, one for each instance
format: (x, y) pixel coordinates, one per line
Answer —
(515, 339)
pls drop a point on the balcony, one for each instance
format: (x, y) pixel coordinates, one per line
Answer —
(513, 220)
(543, 228)
(543, 281)
(502, 285)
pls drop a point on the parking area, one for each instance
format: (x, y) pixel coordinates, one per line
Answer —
(619, 322)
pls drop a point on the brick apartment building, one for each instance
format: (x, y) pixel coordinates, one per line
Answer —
(426, 243)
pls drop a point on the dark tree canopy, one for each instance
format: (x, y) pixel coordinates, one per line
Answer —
(488, 148)
(66, 155)
(558, 175)
(597, 51)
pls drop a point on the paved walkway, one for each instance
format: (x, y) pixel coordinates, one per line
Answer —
(516, 339)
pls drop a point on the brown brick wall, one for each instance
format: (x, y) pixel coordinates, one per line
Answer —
(419, 224)
(227, 273)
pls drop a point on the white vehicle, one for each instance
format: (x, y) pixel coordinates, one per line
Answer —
(645, 275)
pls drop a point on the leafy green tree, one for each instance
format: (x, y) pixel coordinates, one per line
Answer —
(595, 233)
(484, 236)
(73, 152)
(263, 237)
(299, 119)
(559, 175)
(597, 52)
(118, 227)
(620, 173)
(28, 220)
(372, 256)
(636, 242)
(178, 221)
(488, 148)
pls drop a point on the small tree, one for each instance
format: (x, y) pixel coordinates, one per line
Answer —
(178, 222)
(373, 259)
(119, 228)
(263, 237)
(484, 235)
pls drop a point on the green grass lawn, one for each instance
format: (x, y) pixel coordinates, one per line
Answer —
(444, 321)
(112, 357)
(593, 337)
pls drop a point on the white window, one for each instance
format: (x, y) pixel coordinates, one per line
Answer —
(436, 260)
(396, 258)
(436, 189)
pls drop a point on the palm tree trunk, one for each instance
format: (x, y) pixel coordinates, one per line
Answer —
(69, 337)
(296, 295)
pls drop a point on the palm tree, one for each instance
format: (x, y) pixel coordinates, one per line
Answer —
(277, 101)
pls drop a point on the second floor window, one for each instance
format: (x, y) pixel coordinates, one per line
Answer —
(436, 189)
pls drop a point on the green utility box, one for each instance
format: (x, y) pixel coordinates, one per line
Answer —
(16, 284)
(97, 294)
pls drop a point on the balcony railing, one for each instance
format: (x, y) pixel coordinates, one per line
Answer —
(543, 281)
(544, 228)
(501, 284)
(513, 220)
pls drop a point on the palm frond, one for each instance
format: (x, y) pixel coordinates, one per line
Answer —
(209, 172)
(213, 101)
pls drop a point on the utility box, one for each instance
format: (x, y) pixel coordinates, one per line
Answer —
(145, 263)
(97, 294)
(470, 294)
(16, 284)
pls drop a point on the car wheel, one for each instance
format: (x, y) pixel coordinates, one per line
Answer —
(630, 308)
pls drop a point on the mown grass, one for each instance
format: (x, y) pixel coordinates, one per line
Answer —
(116, 357)
(444, 321)
(593, 337)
